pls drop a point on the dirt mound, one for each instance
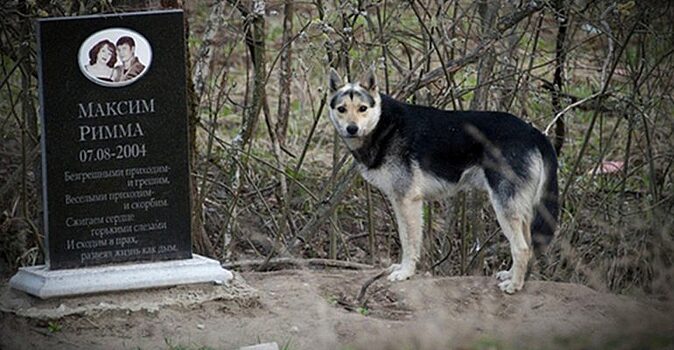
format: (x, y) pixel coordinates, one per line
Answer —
(307, 309)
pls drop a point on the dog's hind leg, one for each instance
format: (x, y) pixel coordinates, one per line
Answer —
(515, 225)
(408, 212)
(526, 230)
(516, 229)
(513, 194)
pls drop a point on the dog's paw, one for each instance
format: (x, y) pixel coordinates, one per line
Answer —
(394, 267)
(400, 273)
(510, 287)
(504, 275)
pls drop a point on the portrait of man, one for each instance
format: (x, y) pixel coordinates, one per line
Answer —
(126, 52)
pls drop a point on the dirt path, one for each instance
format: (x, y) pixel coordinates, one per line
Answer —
(311, 310)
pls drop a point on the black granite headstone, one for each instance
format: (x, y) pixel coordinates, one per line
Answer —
(114, 138)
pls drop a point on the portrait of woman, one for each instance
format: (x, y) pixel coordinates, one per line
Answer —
(102, 60)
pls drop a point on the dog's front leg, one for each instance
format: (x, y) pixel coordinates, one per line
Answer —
(408, 211)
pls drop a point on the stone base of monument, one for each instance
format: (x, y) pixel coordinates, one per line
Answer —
(44, 283)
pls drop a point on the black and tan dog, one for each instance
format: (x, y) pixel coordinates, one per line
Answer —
(412, 153)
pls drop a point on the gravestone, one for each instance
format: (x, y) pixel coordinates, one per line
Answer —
(115, 163)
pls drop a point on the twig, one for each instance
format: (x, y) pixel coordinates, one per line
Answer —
(477, 253)
(324, 211)
(444, 258)
(10, 185)
(406, 88)
(571, 106)
(249, 155)
(289, 262)
(368, 283)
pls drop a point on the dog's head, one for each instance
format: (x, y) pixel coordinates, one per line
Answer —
(354, 107)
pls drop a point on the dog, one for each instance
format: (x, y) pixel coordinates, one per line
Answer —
(413, 153)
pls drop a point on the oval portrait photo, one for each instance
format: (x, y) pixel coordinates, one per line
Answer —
(115, 57)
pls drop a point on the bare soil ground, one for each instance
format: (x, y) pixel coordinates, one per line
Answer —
(308, 309)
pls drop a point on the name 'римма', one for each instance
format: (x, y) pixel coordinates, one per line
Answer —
(115, 108)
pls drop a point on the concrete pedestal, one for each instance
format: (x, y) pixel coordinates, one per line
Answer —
(44, 283)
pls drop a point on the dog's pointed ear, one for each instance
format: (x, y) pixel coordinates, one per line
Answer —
(334, 82)
(370, 81)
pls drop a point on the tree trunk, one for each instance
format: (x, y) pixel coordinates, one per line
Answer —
(205, 54)
(255, 36)
(488, 11)
(200, 240)
(558, 82)
(285, 74)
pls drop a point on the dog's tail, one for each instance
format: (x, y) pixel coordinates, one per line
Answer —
(546, 210)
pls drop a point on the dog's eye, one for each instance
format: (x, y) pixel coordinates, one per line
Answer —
(341, 109)
(362, 109)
